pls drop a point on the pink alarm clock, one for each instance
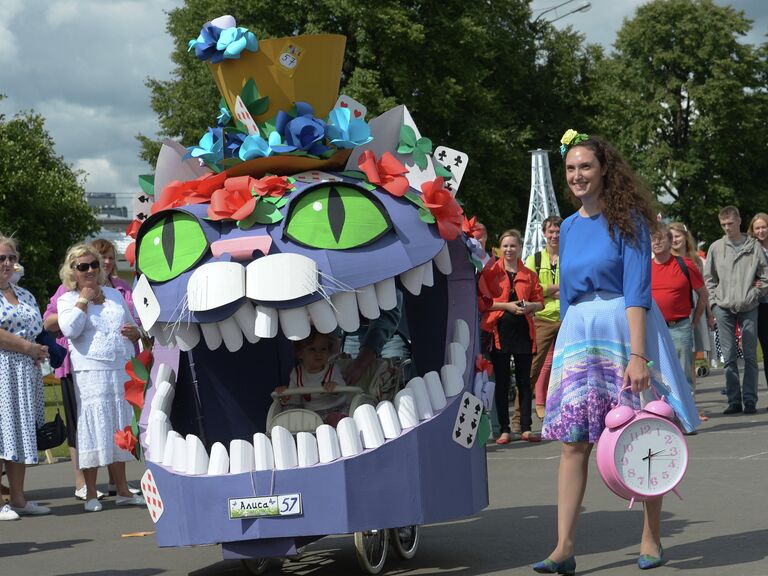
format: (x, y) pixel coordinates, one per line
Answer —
(642, 455)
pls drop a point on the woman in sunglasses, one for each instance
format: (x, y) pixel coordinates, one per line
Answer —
(101, 331)
(21, 383)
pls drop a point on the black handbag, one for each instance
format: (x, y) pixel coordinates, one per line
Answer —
(53, 433)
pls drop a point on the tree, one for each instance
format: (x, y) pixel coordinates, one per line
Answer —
(468, 71)
(42, 203)
(686, 102)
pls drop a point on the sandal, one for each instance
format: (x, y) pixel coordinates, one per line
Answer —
(703, 417)
(531, 436)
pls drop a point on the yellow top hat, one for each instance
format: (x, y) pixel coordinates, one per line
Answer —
(288, 70)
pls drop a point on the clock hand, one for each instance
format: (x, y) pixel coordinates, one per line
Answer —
(648, 480)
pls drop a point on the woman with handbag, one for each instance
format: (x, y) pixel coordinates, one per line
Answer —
(101, 332)
(21, 383)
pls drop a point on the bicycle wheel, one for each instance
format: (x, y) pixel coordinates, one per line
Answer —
(405, 541)
(371, 550)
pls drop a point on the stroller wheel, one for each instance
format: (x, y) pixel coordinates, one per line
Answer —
(371, 550)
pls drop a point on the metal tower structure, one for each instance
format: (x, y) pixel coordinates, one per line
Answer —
(542, 203)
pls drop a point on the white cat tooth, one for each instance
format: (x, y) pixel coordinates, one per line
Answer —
(187, 336)
(240, 456)
(327, 443)
(266, 322)
(215, 284)
(246, 320)
(435, 391)
(345, 305)
(284, 449)
(461, 333)
(197, 457)
(163, 398)
(157, 428)
(349, 437)
(457, 355)
(405, 404)
(367, 302)
(211, 335)
(264, 458)
(170, 447)
(218, 463)
(423, 406)
(411, 280)
(165, 372)
(390, 423)
(370, 428)
(322, 316)
(453, 383)
(386, 294)
(280, 277)
(294, 322)
(162, 333)
(429, 274)
(231, 334)
(179, 454)
(307, 449)
(443, 260)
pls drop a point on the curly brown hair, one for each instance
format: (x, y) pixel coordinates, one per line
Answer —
(625, 197)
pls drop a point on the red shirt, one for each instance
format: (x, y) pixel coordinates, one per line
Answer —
(670, 288)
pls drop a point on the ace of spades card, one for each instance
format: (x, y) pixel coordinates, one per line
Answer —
(454, 161)
(467, 420)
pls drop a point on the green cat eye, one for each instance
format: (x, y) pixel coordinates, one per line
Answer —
(173, 244)
(337, 217)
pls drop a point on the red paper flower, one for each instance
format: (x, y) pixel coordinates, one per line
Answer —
(483, 364)
(130, 254)
(134, 392)
(443, 206)
(388, 172)
(275, 186)
(133, 228)
(472, 227)
(125, 440)
(234, 201)
(194, 191)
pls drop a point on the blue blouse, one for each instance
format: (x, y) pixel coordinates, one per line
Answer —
(591, 260)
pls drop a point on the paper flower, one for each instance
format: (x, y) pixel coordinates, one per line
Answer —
(272, 186)
(194, 191)
(125, 440)
(443, 206)
(133, 228)
(224, 116)
(234, 201)
(417, 148)
(216, 44)
(388, 172)
(210, 148)
(344, 131)
(482, 364)
(303, 131)
(471, 227)
(233, 142)
(571, 138)
(134, 392)
(254, 146)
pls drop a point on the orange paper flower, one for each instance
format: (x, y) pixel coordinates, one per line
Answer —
(275, 186)
(125, 440)
(483, 364)
(472, 227)
(133, 228)
(194, 191)
(443, 206)
(134, 392)
(234, 201)
(388, 172)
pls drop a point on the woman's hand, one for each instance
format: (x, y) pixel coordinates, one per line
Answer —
(37, 352)
(131, 332)
(329, 386)
(637, 375)
(283, 399)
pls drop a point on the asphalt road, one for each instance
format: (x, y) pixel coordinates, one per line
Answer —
(721, 526)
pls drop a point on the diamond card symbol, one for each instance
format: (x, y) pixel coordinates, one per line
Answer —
(152, 496)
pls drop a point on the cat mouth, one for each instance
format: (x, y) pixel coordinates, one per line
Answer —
(205, 416)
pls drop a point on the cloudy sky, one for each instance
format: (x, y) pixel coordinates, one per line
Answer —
(83, 63)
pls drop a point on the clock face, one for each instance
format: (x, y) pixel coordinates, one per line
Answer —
(651, 456)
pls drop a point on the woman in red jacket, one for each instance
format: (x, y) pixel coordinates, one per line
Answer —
(510, 294)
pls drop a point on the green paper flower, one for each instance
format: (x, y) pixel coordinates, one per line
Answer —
(417, 148)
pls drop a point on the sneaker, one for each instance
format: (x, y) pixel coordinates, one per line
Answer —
(135, 500)
(81, 492)
(733, 409)
(31, 509)
(750, 409)
(6, 513)
(93, 505)
(112, 489)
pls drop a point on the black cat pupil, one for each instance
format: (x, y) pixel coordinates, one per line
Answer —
(336, 212)
(168, 240)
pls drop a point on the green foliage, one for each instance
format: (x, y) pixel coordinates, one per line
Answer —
(477, 76)
(687, 103)
(42, 202)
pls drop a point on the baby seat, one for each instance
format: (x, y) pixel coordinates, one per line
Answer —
(381, 381)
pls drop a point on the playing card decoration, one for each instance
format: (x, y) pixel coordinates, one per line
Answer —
(454, 162)
(152, 496)
(467, 420)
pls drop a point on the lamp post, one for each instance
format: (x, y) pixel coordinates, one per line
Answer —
(583, 7)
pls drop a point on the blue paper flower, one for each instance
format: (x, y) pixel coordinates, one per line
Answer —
(345, 132)
(254, 146)
(224, 116)
(234, 140)
(304, 131)
(216, 44)
(210, 148)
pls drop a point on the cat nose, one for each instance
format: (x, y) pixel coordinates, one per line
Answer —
(242, 248)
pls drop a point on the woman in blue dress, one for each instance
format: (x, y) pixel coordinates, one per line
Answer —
(610, 331)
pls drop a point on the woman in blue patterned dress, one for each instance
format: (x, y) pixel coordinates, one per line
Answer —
(21, 383)
(610, 331)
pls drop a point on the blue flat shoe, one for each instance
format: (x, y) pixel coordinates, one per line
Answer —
(646, 561)
(567, 567)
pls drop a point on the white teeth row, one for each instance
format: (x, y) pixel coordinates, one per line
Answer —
(368, 428)
(344, 310)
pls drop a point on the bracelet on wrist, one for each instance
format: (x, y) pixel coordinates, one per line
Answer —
(643, 358)
(82, 300)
